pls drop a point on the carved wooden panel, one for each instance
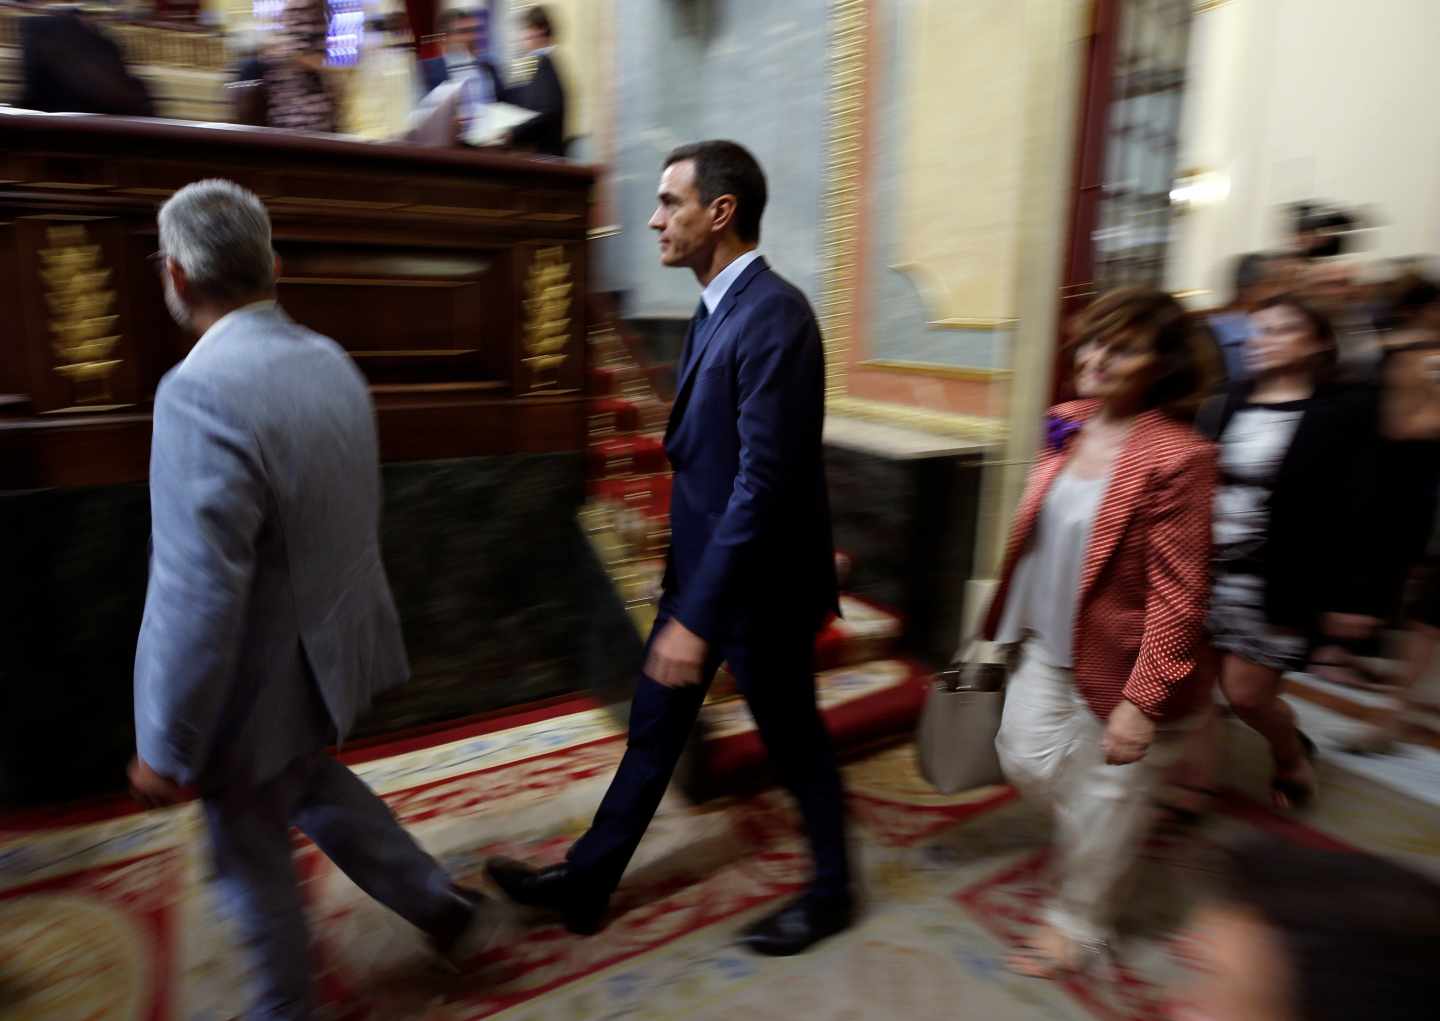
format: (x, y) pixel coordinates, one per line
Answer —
(455, 279)
(408, 316)
(550, 355)
(77, 333)
(14, 373)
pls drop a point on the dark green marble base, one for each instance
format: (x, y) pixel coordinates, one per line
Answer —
(501, 600)
(909, 525)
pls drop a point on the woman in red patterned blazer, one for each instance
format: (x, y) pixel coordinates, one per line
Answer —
(1105, 587)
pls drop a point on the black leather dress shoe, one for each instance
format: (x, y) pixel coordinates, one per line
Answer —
(798, 926)
(550, 889)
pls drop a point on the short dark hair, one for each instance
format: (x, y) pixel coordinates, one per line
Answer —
(1189, 361)
(1330, 228)
(1327, 363)
(1250, 271)
(454, 15)
(727, 168)
(539, 19)
(1359, 932)
(1408, 297)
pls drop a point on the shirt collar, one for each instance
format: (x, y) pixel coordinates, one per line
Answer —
(543, 51)
(727, 276)
(263, 305)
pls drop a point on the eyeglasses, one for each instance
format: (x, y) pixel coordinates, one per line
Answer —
(157, 262)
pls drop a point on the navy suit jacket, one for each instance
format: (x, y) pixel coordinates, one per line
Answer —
(751, 544)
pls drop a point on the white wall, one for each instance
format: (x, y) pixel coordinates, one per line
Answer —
(1311, 99)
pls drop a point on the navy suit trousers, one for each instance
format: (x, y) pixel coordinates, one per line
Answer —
(776, 675)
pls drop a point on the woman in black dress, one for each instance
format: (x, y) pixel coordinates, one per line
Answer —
(1292, 446)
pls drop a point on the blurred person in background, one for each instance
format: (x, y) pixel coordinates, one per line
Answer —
(1336, 289)
(1291, 447)
(1104, 587)
(1324, 239)
(298, 95)
(247, 93)
(269, 625)
(387, 79)
(544, 93)
(1255, 279)
(1406, 467)
(464, 51)
(1303, 934)
(471, 64)
(71, 65)
(465, 46)
(1322, 230)
(1408, 494)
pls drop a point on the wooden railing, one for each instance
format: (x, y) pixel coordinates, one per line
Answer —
(456, 279)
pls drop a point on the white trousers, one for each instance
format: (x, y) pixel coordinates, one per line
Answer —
(1050, 748)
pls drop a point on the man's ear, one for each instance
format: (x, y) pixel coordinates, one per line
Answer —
(179, 282)
(724, 209)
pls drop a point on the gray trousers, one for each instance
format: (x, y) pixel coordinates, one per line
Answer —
(250, 839)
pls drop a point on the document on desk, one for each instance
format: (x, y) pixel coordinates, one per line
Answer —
(491, 122)
(433, 122)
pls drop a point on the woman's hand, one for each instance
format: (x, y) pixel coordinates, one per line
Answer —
(1127, 736)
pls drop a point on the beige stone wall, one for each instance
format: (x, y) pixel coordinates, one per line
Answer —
(1052, 64)
(988, 100)
(961, 169)
(1292, 100)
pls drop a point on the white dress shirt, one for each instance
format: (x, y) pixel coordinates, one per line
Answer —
(717, 287)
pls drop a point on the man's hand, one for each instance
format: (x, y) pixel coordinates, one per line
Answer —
(150, 788)
(677, 656)
(1127, 735)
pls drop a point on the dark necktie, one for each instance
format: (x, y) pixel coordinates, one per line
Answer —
(697, 323)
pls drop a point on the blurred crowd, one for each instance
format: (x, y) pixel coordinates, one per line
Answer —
(301, 64)
(1233, 497)
(1375, 370)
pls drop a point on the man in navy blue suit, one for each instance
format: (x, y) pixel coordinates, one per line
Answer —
(750, 576)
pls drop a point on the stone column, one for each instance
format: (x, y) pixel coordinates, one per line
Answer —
(1051, 55)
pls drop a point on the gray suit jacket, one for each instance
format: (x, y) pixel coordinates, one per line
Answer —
(269, 624)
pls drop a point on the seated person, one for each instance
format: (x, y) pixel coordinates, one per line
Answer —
(72, 66)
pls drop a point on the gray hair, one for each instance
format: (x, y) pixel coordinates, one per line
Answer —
(219, 233)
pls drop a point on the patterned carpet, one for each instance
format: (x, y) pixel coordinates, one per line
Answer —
(113, 919)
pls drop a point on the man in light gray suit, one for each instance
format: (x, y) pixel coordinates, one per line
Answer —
(269, 624)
